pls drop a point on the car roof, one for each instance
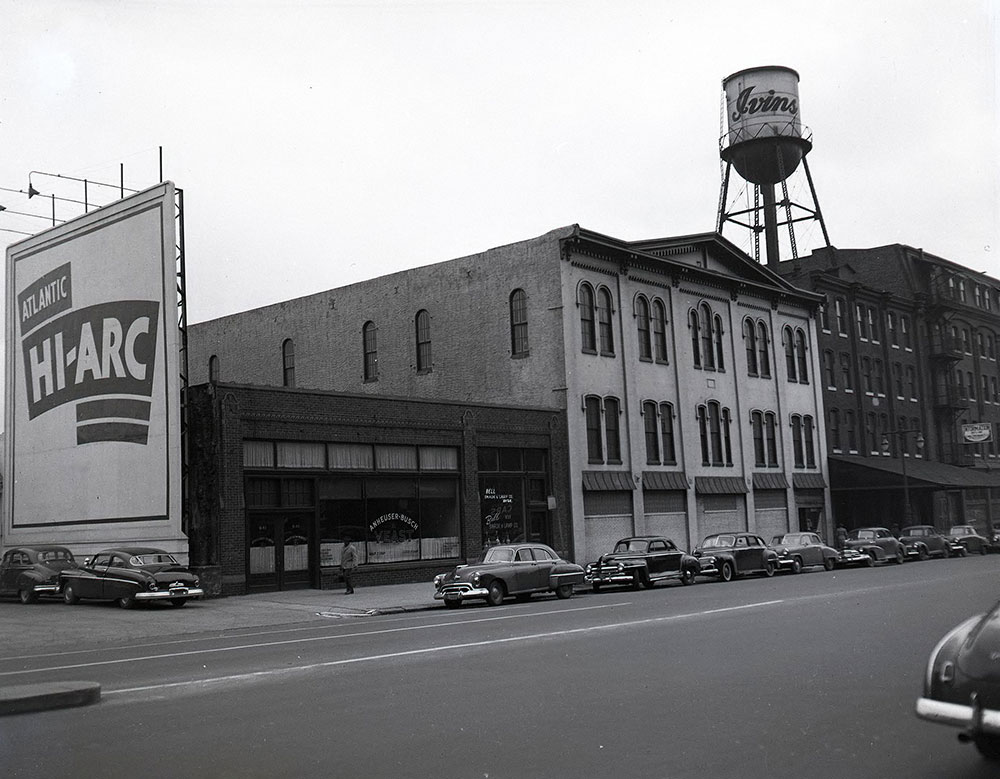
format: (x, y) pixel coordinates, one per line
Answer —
(133, 550)
(922, 527)
(41, 548)
(643, 538)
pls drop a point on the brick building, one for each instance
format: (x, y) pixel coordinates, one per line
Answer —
(908, 349)
(683, 373)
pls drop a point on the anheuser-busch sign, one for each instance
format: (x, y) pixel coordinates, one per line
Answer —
(93, 383)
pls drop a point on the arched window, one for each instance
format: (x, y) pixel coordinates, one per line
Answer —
(771, 438)
(750, 342)
(588, 333)
(717, 333)
(802, 356)
(788, 341)
(369, 346)
(757, 430)
(643, 327)
(518, 323)
(763, 350)
(797, 441)
(604, 328)
(807, 442)
(713, 424)
(612, 435)
(213, 369)
(695, 327)
(659, 332)
(667, 433)
(422, 323)
(288, 363)
(651, 429)
(595, 446)
(707, 346)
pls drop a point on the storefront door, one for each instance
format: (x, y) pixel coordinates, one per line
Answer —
(279, 552)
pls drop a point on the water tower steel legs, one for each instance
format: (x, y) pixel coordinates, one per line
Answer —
(770, 225)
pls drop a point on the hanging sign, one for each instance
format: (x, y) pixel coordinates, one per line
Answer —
(977, 433)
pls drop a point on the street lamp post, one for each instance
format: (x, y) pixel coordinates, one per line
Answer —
(907, 512)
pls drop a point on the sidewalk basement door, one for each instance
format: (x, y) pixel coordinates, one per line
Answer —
(279, 551)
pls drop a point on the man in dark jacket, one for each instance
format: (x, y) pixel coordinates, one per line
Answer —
(348, 562)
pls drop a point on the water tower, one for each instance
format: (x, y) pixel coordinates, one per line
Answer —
(764, 140)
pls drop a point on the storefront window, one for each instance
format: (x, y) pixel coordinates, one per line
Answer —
(502, 500)
(341, 516)
(393, 520)
(439, 533)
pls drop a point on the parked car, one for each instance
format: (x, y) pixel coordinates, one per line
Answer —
(923, 541)
(30, 571)
(970, 540)
(877, 542)
(962, 682)
(726, 555)
(643, 561)
(130, 575)
(801, 550)
(509, 569)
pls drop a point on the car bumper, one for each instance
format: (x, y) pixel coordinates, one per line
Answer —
(458, 594)
(975, 719)
(46, 589)
(858, 558)
(189, 592)
(613, 577)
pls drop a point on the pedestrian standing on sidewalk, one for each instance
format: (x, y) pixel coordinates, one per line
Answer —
(348, 562)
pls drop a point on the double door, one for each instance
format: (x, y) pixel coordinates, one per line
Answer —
(279, 551)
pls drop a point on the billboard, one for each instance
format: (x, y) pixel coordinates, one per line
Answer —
(92, 376)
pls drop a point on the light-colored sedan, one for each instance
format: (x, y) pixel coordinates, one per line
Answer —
(801, 550)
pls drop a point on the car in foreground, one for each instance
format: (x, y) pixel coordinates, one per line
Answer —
(850, 558)
(971, 541)
(31, 571)
(876, 542)
(802, 550)
(643, 561)
(962, 682)
(725, 555)
(518, 570)
(923, 541)
(130, 575)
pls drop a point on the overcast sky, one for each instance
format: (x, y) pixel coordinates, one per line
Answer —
(323, 143)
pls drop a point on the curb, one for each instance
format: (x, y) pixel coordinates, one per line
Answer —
(22, 698)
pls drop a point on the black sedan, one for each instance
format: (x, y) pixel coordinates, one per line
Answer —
(30, 571)
(643, 561)
(131, 575)
(725, 555)
(970, 540)
(509, 569)
(962, 682)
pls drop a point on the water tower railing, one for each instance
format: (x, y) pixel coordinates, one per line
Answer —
(790, 129)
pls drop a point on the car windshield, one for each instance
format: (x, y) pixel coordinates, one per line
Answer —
(499, 554)
(962, 531)
(153, 558)
(792, 539)
(864, 535)
(716, 541)
(632, 545)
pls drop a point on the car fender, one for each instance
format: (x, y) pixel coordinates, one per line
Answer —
(690, 562)
(726, 557)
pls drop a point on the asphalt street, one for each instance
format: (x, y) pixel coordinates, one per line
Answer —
(812, 675)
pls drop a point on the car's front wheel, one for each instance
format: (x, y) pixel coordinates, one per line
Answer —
(27, 595)
(829, 563)
(922, 553)
(982, 549)
(126, 601)
(564, 591)
(796, 565)
(726, 571)
(495, 593)
(69, 596)
(687, 576)
(900, 556)
(769, 568)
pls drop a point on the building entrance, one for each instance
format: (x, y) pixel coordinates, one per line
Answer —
(279, 552)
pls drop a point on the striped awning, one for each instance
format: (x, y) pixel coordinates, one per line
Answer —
(607, 481)
(770, 481)
(808, 481)
(664, 480)
(719, 485)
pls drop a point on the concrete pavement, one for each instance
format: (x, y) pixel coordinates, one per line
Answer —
(52, 626)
